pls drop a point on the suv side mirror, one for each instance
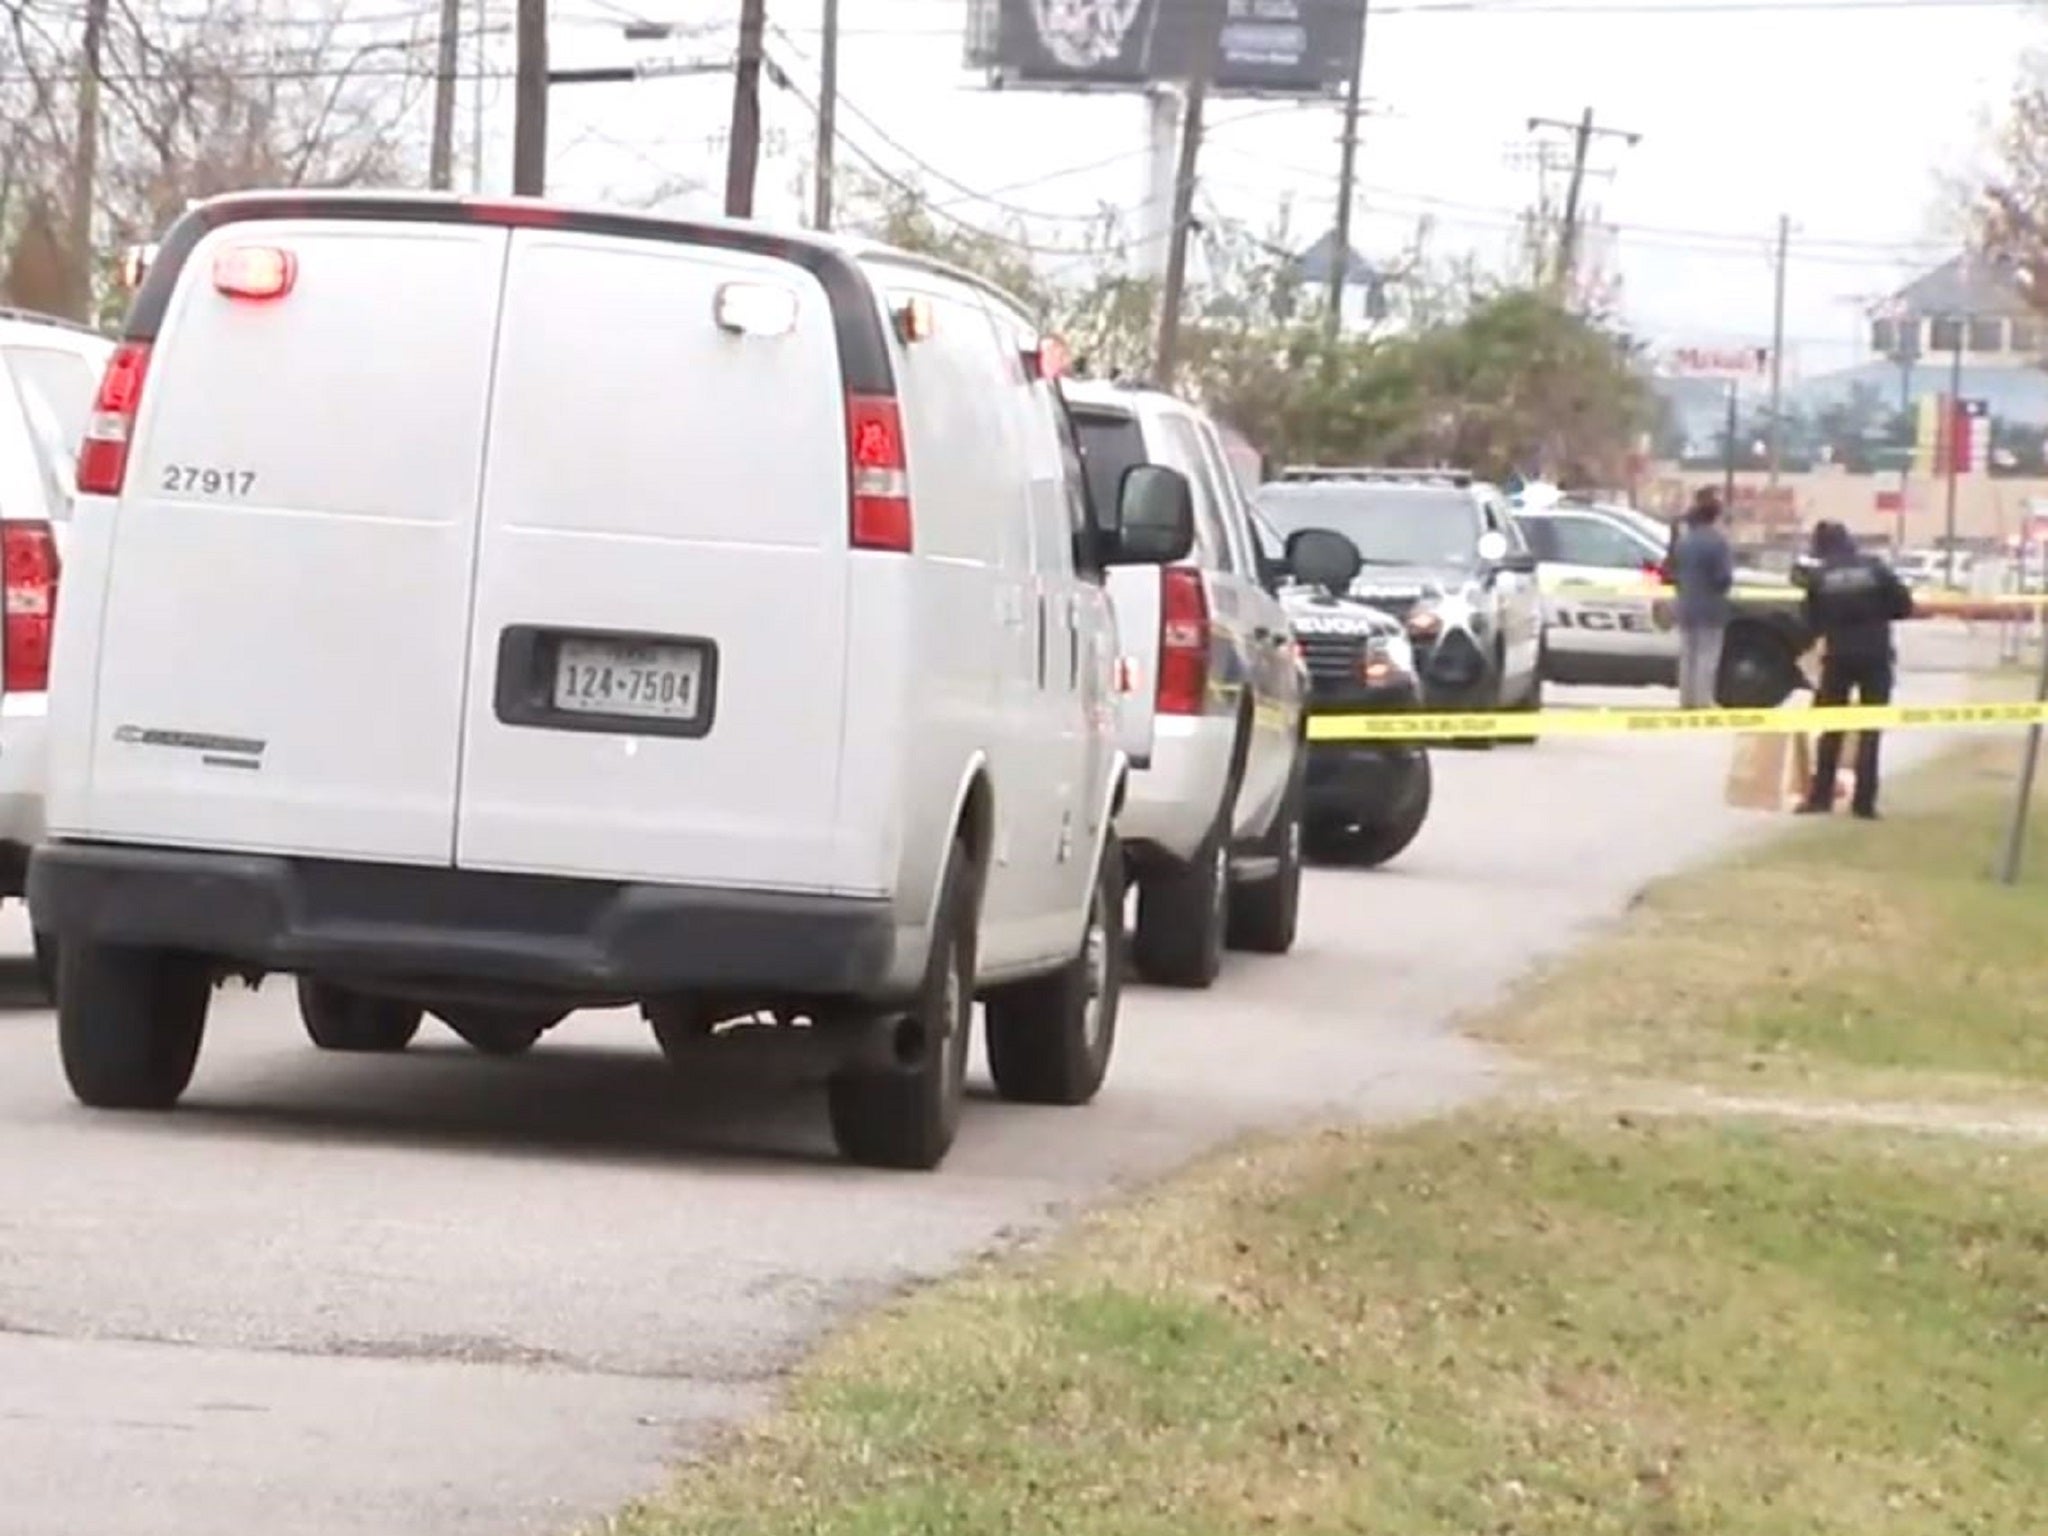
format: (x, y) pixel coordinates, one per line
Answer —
(1155, 517)
(1324, 558)
(1496, 553)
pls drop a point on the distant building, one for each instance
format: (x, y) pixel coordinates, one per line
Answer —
(1969, 301)
(1365, 286)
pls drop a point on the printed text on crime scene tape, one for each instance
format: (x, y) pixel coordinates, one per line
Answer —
(1673, 722)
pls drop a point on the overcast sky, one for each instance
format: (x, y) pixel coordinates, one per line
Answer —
(1846, 116)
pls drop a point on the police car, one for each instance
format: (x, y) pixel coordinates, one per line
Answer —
(1608, 616)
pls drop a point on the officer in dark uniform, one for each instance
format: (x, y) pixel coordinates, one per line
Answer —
(1852, 600)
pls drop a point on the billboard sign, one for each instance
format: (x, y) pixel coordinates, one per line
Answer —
(1267, 47)
(1718, 362)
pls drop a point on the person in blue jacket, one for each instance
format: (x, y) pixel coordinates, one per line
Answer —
(1703, 572)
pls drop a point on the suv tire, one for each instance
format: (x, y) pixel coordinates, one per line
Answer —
(499, 1031)
(1050, 1040)
(129, 1023)
(1265, 915)
(1367, 845)
(905, 1114)
(1182, 916)
(46, 962)
(338, 1019)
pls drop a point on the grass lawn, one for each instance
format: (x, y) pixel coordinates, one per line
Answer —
(1879, 959)
(1547, 1325)
(1553, 1321)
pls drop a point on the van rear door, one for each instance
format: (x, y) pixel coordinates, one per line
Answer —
(658, 655)
(287, 603)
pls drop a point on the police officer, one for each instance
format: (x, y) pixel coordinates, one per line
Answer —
(1851, 600)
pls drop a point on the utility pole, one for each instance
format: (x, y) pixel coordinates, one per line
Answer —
(476, 96)
(1173, 290)
(530, 101)
(85, 163)
(1583, 132)
(1347, 182)
(743, 153)
(1778, 349)
(828, 115)
(1728, 455)
(441, 150)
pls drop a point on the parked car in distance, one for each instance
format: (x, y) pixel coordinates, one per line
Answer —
(1211, 823)
(1366, 801)
(1610, 620)
(718, 629)
(1442, 555)
(48, 370)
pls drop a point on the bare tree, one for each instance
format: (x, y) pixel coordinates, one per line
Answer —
(199, 97)
(2010, 214)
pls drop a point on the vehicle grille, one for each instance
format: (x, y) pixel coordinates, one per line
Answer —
(1332, 658)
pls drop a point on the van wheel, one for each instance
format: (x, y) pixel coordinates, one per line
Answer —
(46, 962)
(1182, 915)
(1049, 1040)
(905, 1113)
(340, 1020)
(499, 1031)
(129, 1023)
(1263, 917)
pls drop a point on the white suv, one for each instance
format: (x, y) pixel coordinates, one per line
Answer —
(47, 372)
(1212, 824)
(499, 610)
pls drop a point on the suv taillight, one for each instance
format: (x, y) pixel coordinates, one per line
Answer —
(103, 457)
(1183, 642)
(880, 515)
(28, 605)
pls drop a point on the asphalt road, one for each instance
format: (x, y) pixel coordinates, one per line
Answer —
(440, 1295)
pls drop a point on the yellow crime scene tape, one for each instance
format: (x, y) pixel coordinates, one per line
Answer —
(1426, 727)
(1925, 605)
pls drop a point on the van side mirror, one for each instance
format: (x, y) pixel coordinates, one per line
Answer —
(1155, 517)
(1324, 558)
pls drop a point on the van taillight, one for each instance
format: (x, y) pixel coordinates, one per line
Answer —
(880, 517)
(103, 456)
(28, 605)
(1183, 642)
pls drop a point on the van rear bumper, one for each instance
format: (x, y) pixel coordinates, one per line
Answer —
(452, 928)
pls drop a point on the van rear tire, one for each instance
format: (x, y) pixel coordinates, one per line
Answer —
(905, 1113)
(338, 1019)
(129, 1023)
(46, 962)
(1050, 1039)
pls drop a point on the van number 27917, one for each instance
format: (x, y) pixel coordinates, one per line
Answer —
(207, 480)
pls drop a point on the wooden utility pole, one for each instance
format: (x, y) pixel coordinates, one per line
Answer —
(1173, 289)
(1347, 184)
(828, 115)
(1583, 132)
(743, 152)
(1777, 438)
(85, 167)
(530, 101)
(448, 58)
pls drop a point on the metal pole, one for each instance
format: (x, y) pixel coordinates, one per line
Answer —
(1173, 290)
(476, 95)
(1778, 348)
(1954, 425)
(2023, 800)
(1906, 360)
(828, 115)
(1347, 183)
(1728, 457)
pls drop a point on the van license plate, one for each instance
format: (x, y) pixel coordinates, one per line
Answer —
(648, 682)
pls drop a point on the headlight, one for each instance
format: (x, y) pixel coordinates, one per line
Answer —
(1449, 610)
(1386, 659)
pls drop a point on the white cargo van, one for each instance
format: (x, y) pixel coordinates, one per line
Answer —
(495, 609)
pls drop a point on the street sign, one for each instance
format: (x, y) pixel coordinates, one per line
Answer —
(1718, 362)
